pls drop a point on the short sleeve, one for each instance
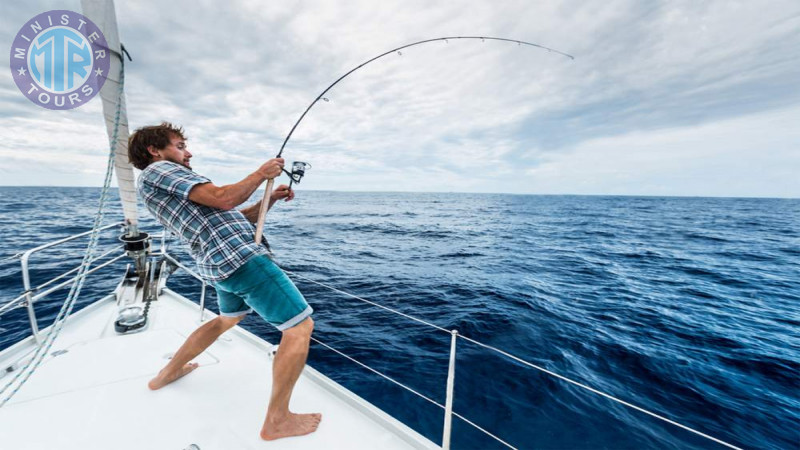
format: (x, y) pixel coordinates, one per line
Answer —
(172, 178)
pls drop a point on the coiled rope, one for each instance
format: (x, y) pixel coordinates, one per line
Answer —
(24, 374)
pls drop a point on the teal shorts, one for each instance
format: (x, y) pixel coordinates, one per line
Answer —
(262, 286)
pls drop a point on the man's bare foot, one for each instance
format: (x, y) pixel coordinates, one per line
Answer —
(163, 379)
(292, 425)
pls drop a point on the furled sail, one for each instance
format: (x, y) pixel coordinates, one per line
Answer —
(102, 13)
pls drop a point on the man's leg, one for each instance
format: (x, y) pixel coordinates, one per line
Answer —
(286, 368)
(198, 341)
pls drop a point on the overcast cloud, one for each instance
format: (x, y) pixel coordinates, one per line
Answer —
(663, 98)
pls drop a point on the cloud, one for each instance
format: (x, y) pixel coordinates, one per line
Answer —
(466, 113)
(725, 158)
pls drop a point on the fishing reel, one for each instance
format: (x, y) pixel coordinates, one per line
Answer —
(298, 171)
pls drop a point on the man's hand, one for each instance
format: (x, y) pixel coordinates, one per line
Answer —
(271, 169)
(281, 192)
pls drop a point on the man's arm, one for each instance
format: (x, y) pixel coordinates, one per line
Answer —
(232, 195)
(251, 212)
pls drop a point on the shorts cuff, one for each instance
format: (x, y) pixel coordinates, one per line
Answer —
(296, 319)
(237, 313)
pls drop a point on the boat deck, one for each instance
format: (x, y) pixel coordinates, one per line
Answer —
(91, 392)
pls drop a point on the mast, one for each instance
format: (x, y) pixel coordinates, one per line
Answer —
(103, 14)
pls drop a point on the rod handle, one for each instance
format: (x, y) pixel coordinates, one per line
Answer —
(262, 212)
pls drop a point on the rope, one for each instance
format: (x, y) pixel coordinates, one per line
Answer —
(66, 309)
(515, 358)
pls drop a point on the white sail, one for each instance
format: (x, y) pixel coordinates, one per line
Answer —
(103, 14)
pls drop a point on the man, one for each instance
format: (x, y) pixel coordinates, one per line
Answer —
(221, 239)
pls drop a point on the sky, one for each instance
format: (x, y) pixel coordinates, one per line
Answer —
(679, 98)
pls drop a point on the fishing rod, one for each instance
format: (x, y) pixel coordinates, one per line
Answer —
(298, 168)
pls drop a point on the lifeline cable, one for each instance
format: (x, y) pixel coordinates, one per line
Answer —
(14, 256)
(521, 361)
(424, 397)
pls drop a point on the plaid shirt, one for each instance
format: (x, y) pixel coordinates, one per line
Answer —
(220, 241)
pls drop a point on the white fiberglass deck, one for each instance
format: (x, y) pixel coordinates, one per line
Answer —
(94, 396)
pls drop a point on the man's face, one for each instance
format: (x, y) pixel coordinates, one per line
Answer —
(176, 151)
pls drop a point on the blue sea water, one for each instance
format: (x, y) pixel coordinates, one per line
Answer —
(685, 306)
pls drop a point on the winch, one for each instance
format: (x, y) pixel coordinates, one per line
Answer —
(140, 286)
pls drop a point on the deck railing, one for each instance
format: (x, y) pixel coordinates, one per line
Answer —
(31, 295)
(454, 336)
(451, 375)
(447, 407)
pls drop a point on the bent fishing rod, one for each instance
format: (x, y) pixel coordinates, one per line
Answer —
(298, 168)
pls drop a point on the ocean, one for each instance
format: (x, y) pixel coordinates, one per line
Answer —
(687, 307)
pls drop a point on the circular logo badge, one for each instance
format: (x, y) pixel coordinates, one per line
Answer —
(60, 59)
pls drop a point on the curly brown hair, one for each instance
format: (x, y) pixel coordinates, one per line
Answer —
(158, 136)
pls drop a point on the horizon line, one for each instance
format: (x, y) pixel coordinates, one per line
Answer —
(472, 193)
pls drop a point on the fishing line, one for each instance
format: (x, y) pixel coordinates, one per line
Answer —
(398, 50)
(295, 176)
